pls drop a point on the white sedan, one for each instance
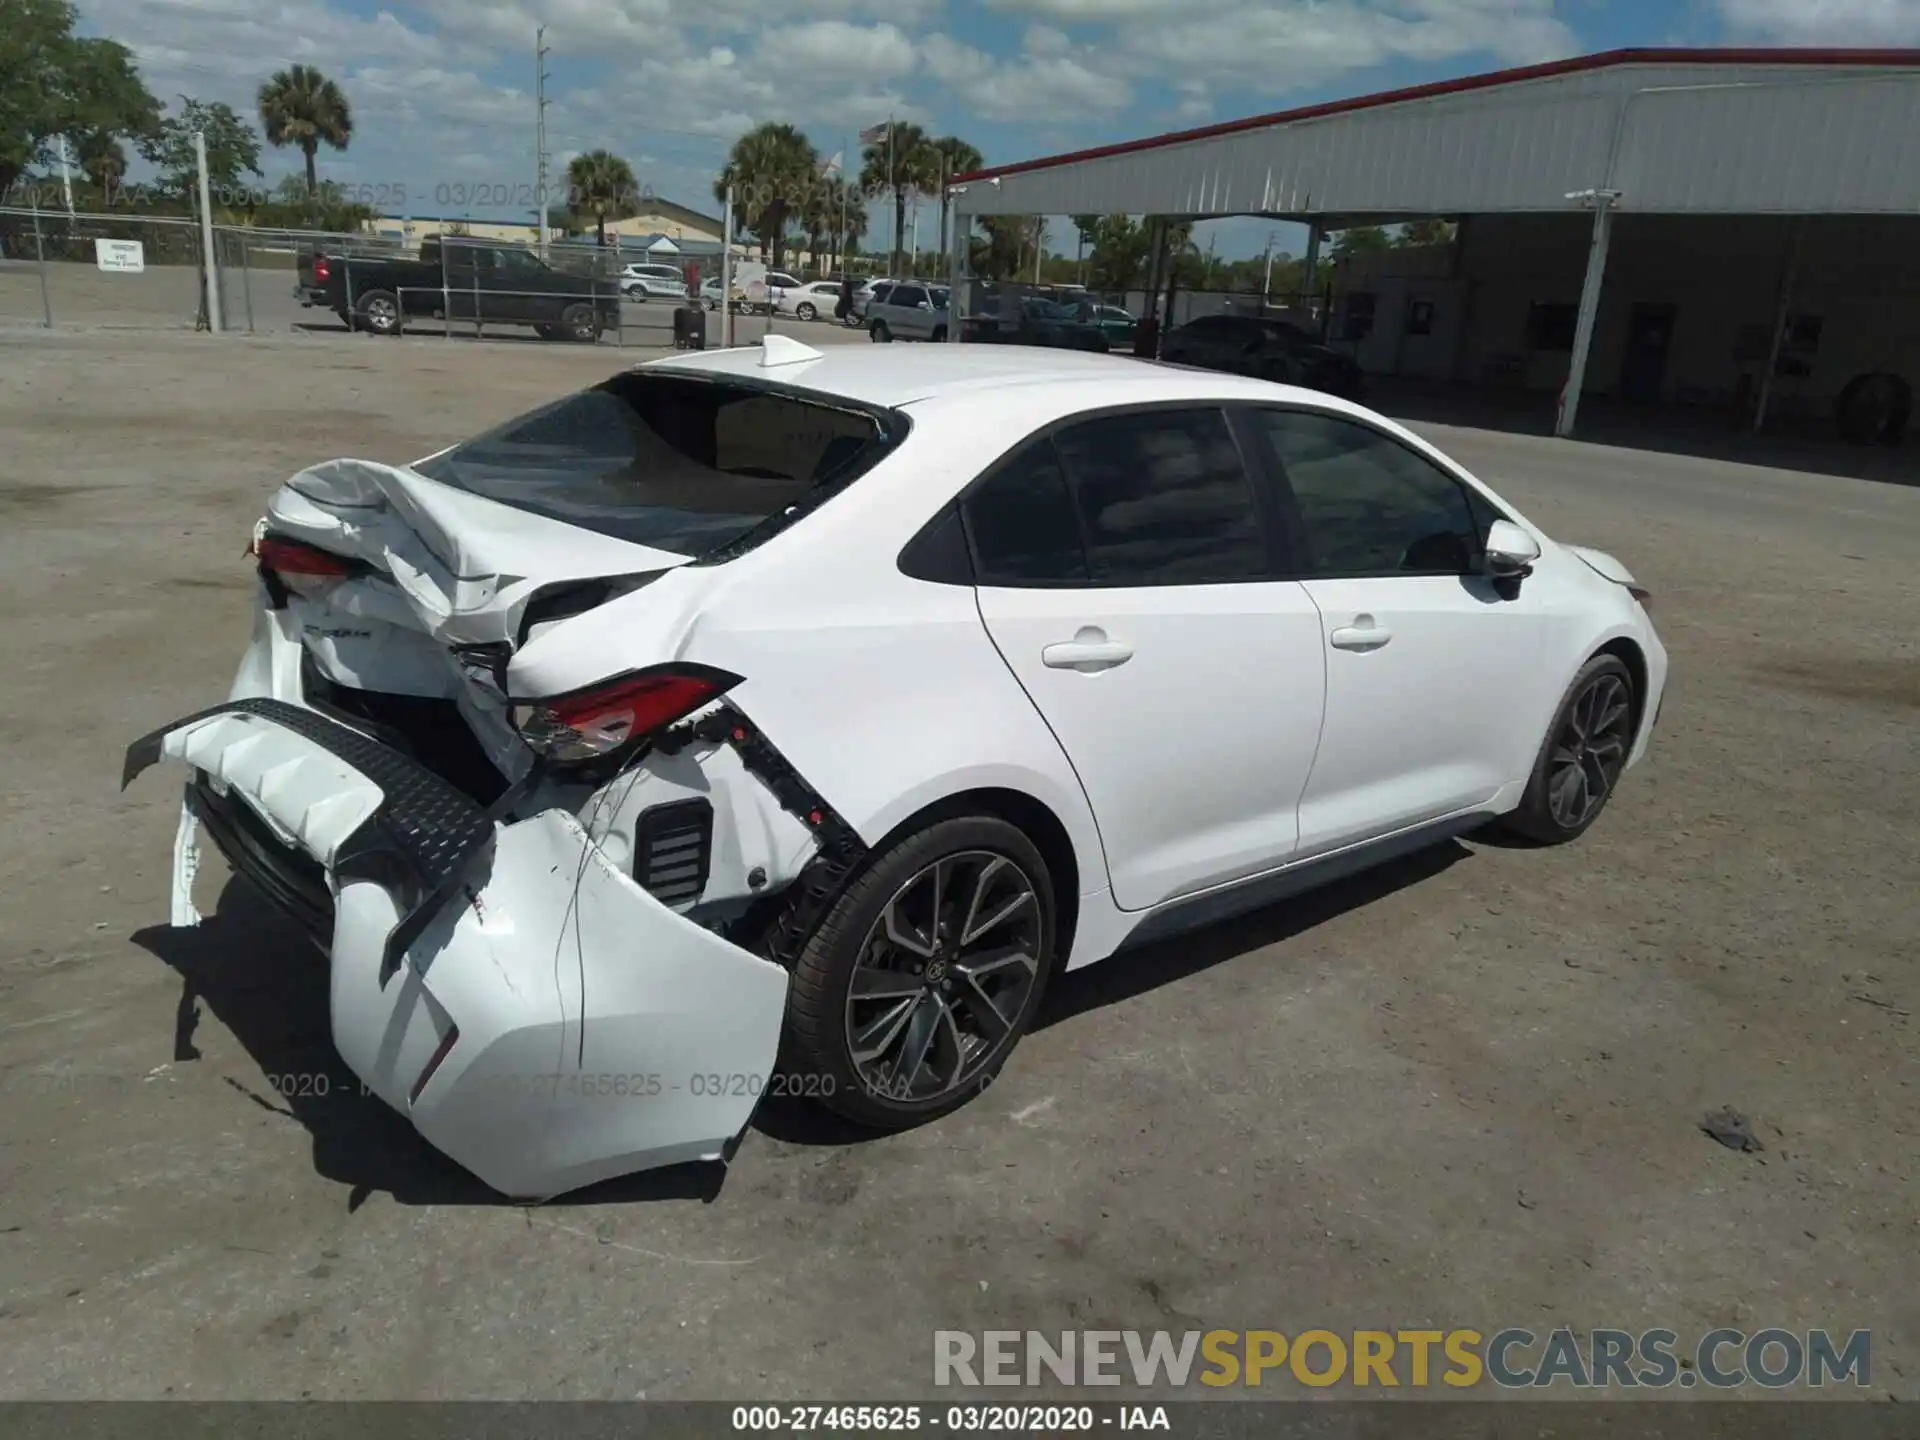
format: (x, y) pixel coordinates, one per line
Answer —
(773, 702)
(809, 301)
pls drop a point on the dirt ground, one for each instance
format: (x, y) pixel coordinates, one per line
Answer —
(1463, 1091)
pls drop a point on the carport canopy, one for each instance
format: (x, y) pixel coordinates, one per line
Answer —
(1673, 132)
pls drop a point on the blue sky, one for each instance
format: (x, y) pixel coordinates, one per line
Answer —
(442, 89)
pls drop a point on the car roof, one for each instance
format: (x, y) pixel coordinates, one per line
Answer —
(901, 375)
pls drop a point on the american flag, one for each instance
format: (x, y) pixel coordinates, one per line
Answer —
(875, 134)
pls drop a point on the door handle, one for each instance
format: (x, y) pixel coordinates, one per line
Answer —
(1088, 652)
(1363, 634)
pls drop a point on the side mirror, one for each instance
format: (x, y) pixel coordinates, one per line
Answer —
(1511, 551)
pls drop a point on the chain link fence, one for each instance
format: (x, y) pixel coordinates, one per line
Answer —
(60, 269)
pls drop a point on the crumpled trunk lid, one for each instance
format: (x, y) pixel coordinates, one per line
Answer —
(450, 583)
(466, 565)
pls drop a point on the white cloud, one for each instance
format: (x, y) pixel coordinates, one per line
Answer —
(828, 49)
(1825, 22)
(1053, 80)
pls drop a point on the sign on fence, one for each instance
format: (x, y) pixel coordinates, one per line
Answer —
(124, 257)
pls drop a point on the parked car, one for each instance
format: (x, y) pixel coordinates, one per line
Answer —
(910, 310)
(645, 282)
(809, 301)
(864, 296)
(1029, 320)
(1120, 326)
(709, 715)
(764, 289)
(457, 280)
(1264, 348)
(710, 292)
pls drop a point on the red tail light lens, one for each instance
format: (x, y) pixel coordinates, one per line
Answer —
(322, 270)
(603, 718)
(305, 569)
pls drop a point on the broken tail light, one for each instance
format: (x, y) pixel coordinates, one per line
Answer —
(302, 569)
(601, 719)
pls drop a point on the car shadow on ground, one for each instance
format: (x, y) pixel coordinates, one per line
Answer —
(1133, 972)
(256, 973)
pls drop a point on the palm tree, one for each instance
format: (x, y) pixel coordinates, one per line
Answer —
(601, 184)
(849, 218)
(904, 163)
(956, 157)
(772, 169)
(300, 106)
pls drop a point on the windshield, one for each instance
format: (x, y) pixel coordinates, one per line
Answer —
(1047, 310)
(690, 466)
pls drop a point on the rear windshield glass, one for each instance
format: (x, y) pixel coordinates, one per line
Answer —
(690, 466)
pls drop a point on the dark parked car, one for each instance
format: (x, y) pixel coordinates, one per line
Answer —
(1264, 348)
(462, 281)
(1027, 320)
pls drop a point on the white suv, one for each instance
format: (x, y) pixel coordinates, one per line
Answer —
(653, 282)
(826, 705)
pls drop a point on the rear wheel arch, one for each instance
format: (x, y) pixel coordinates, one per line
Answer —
(1036, 820)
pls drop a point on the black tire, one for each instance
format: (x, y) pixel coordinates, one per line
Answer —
(378, 311)
(1588, 707)
(546, 332)
(939, 336)
(581, 324)
(879, 332)
(1874, 409)
(805, 310)
(820, 1008)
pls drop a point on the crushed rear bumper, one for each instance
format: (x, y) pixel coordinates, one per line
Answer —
(535, 1013)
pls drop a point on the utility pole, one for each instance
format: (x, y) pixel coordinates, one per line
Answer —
(540, 53)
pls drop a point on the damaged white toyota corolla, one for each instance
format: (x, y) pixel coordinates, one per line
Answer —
(767, 702)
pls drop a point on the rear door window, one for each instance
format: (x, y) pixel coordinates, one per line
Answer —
(678, 464)
(1165, 499)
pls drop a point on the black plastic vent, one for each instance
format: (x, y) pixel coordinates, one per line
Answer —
(672, 848)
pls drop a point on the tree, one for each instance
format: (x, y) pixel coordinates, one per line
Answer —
(1426, 231)
(997, 256)
(849, 218)
(233, 150)
(602, 187)
(1087, 228)
(104, 161)
(771, 169)
(903, 163)
(1118, 260)
(53, 83)
(1360, 240)
(300, 106)
(953, 156)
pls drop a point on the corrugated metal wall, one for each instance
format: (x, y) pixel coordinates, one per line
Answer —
(1674, 139)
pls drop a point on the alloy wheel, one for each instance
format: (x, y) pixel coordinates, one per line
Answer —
(1589, 751)
(942, 980)
(382, 314)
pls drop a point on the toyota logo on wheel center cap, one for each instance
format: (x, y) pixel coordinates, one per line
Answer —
(936, 969)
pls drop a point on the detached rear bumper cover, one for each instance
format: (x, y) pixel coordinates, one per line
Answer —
(594, 1032)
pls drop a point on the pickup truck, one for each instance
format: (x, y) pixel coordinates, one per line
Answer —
(458, 282)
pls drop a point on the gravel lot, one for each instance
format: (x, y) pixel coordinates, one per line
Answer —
(1462, 1091)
